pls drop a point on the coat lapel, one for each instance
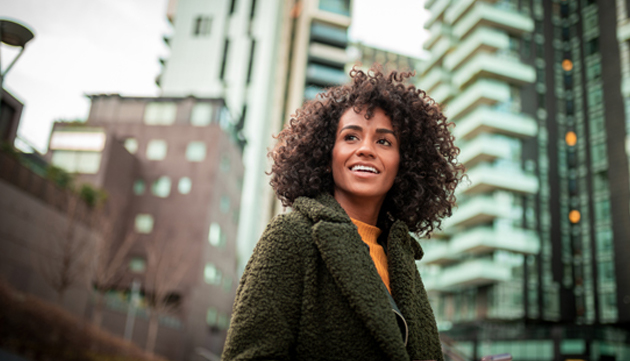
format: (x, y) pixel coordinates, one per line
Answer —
(349, 262)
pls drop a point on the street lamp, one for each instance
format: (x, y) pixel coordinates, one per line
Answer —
(14, 34)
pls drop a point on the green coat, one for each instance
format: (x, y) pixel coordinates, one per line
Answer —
(311, 292)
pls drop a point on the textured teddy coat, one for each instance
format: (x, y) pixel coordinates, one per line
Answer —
(311, 292)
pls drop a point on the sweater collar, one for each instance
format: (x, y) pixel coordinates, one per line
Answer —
(326, 208)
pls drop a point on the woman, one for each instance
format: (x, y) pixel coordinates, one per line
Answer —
(336, 278)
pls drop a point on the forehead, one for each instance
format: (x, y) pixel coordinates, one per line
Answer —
(378, 120)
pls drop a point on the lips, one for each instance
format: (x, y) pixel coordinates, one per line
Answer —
(364, 168)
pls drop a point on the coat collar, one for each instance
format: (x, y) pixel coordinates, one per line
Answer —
(349, 262)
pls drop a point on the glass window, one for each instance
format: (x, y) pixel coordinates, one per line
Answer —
(216, 237)
(227, 284)
(225, 204)
(341, 7)
(196, 151)
(132, 145)
(156, 149)
(202, 25)
(161, 187)
(139, 187)
(144, 223)
(185, 185)
(211, 274)
(211, 316)
(223, 321)
(595, 96)
(225, 163)
(160, 113)
(77, 161)
(201, 114)
(137, 265)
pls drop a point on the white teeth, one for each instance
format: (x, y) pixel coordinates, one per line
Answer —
(363, 168)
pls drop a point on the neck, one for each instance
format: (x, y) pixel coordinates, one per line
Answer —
(362, 209)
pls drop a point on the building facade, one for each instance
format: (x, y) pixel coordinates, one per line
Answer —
(264, 59)
(173, 173)
(530, 262)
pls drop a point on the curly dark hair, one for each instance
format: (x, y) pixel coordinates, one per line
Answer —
(428, 173)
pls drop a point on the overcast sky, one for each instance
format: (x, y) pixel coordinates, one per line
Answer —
(113, 46)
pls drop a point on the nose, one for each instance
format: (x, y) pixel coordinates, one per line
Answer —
(366, 149)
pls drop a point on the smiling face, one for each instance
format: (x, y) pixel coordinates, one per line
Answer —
(365, 157)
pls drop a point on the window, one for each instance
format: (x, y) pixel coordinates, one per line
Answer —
(201, 115)
(225, 163)
(211, 274)
(592, 46)
(137, 265)
(156, 149)
(227, 284)
(211, 316)
(184, 186)
(225, 204)
(138, 187)
(226, 48)
(341, 7)
(216, 237)
(223, 321)
(202, 25)
(251, 61)
(144, 223)
(131, 144)
(77, 161)
(160, 113)
(595, 96)
(161, 187)
(196, 151)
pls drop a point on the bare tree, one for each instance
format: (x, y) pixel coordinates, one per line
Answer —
(168, 261)
(109, 258)
(64, 260)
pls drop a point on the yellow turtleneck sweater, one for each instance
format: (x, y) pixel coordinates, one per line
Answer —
(369, 234)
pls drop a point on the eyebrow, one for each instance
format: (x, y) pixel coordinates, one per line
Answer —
(358, 128)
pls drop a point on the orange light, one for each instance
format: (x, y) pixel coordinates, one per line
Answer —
(567, 65)
(574, 216)
(570, 138)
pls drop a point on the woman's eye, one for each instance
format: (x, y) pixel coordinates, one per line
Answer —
(350, 137)
(384, 142)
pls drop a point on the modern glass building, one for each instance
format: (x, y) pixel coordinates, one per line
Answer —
(530, 262)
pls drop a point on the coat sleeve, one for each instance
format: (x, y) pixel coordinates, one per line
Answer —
(267, 308)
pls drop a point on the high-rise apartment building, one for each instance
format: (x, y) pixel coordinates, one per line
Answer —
(173, 173)
(264, 58)
(531, 262)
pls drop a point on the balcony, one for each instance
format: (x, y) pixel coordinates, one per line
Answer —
(433, 78)
(483, 14)
(494, 66)
(325, 76)
(485, 148)
(438, 253)
(328, 54)
(478, 210)
(443, 93)
(488, 120)
(486, 239)
(329, 34)
(436, 12)
(482, 92)
(437, 54)
(476, 272)
(459, 8)
(481, 40)
(436, 32)
(623, 31)
(486, 178)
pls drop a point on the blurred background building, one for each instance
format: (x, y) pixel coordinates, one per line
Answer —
(264, 59)
(532, 261)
